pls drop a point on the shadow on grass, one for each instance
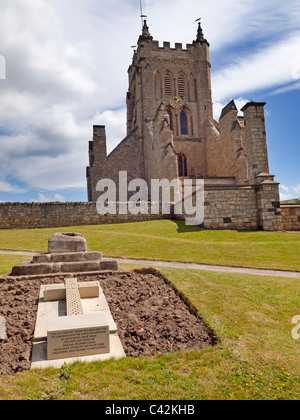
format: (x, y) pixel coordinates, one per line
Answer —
(182, 227)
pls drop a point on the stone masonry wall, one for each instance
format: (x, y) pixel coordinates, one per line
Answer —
(230, 208)
(50, 215)
(225, 208)
(290, 217)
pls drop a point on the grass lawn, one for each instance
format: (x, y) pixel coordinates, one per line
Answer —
(256, 357)
(173, 241)
(8, 261)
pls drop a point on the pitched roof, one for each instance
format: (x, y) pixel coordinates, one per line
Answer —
(230, 107)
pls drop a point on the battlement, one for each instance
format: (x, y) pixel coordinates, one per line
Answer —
(167, 46)
(153, 50)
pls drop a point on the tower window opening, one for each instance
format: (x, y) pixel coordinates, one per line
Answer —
(182, 165)
(183, 123)
(181, 86)
(168, 86)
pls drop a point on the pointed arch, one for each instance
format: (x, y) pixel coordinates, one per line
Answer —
(184, 129)
(158, 85)
(192, 88)
(182, 165)
(182, 85)
(185, 122)
(168, 84)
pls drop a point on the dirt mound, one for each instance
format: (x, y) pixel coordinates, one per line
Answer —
(151, 317)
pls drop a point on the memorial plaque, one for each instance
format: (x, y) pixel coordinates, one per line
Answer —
(77, 336)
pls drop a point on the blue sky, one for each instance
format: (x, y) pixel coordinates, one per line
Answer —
(66, 69)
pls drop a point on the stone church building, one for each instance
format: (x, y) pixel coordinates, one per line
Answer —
(171, 133)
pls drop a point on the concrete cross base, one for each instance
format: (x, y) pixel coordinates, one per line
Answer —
(60, 338)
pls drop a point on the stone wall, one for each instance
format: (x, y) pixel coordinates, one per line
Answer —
(248, 208)
(230, 208)
(225, 208)
(290, 217)
(51, 215)
(127, 156)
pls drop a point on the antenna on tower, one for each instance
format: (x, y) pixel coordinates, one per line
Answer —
(142, 15)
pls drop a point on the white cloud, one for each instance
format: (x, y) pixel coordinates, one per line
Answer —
(289, 88)
(218, 107)
(44, 199)
(263, 69)
(285, 188)
(297, 189)
(6, 187)
(115, 123)
(285, 197)
(2, 68)
(67, 70)
(290, 192)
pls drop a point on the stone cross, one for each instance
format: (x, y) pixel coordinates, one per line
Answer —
(72, 292)
(74, 306)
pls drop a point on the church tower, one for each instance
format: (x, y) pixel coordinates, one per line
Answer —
(168, 104)
(172, 134)
(178, 81)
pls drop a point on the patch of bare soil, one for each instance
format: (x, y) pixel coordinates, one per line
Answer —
(151, 317)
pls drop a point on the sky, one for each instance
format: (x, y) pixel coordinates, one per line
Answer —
(63, 69)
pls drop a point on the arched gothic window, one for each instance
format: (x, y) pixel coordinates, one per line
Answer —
(168, 85)
(181, 86)
(183, 123)
(158, 85)
(182, 165)
(192, 87)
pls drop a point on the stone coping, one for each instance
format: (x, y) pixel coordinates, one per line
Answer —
(292, 205)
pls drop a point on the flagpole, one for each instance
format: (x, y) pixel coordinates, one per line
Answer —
(141, 6)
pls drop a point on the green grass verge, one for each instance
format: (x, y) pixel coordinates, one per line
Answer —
(8, 261)
(257, 358)
(173, 241)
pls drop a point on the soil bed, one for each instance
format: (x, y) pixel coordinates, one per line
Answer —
(151, 317)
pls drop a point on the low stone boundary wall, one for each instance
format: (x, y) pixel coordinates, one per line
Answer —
(50, 215)
(230, 208)
(234, 208)
(224, 208)
(290, 217)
